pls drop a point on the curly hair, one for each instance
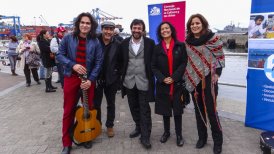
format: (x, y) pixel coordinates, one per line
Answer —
(94, 25)
(172, 28)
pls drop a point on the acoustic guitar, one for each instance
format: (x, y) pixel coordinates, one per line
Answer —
(86, 127)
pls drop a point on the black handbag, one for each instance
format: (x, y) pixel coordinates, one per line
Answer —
(18, 58)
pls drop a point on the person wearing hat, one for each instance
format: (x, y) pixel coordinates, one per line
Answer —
(109, 77)
(54, 44)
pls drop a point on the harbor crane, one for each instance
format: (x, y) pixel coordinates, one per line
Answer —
(101, 16)
(8, 29)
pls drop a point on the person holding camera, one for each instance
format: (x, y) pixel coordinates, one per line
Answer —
(26, 48)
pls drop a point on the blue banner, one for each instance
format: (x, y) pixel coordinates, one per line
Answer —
(155, 18)
(260, 74)
(261, 6)
(172, 12)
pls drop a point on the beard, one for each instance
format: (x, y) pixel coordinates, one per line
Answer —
(137, 35)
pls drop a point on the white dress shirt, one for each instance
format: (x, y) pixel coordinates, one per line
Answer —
(136, 45)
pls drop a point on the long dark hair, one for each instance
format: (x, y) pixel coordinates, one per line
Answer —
(41, 35)
(14, 39)
(172, 28)
(94, 25)
(203, 21)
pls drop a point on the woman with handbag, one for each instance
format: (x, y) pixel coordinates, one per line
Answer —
(169, 61)
(29, 52)
(12, 54)
(48, 58)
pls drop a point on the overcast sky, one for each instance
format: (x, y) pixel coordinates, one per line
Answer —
(218, 12)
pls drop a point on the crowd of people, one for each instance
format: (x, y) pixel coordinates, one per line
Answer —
(37, 54)
(167, 73)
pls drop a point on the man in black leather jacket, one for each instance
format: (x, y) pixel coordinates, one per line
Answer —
(109, 79)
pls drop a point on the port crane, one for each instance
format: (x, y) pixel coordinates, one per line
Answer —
(7, 29)
(102, 16)
(43, 20)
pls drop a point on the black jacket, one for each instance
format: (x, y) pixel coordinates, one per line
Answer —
(159, 65)
(44, 46)
(110, 71)
(124, 57)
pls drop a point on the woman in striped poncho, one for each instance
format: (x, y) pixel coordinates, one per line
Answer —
(205, 63)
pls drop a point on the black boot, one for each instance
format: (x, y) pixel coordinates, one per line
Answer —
(13, 73)
(146, 143)
(52, 87)
(48, 88)
(217, 149)
(165, 137)
(200, 143)
(135, 133)
(66, 150)
(166, 134)
(180, 140)
(88, 144)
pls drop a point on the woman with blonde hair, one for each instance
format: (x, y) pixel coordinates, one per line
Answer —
(29, 52)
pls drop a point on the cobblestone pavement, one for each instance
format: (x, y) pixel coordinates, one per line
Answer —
(31, 122)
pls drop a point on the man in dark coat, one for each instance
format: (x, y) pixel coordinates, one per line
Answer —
(138, 85)
(109, 78)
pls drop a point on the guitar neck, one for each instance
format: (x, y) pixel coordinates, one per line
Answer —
(85, 100)
(85, 94)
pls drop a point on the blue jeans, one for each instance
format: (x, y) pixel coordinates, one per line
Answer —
(42, 72)
(13, 59)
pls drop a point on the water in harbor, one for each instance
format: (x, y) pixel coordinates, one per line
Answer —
(232, 100)
(236, 68)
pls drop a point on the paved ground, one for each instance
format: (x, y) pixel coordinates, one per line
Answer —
(31, 122)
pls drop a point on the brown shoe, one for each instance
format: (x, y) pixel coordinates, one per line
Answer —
(110, 132)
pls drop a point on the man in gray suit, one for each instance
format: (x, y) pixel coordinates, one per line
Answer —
(137, 79)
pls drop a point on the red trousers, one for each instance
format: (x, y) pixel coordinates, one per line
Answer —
(71, 98)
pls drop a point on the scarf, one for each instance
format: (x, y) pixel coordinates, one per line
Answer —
(191, 40)
(170, 61)
(203, 59)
